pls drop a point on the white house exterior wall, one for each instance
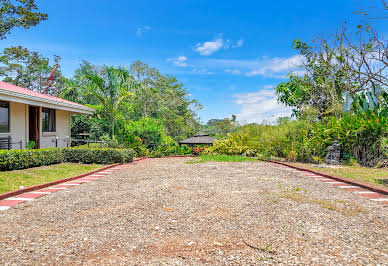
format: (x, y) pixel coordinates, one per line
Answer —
(17, 123)
(19, 126)
(63, 131)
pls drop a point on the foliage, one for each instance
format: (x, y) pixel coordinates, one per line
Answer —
(361, 137)
(109, 88)
(148, 131)
(163, 97)
(30, 145)
(221, 158)
(234, 144)
(27, 69)
(349, 65)
(198, 150)
(165, 150)
(220, 127)
(99, 156)
(87, 124)
(22, 159)
(18, 13)
(149, 95)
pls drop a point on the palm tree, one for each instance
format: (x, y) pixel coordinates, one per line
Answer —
(110, 88)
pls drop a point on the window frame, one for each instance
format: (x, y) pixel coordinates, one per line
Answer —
(9, 117)
(51, 114)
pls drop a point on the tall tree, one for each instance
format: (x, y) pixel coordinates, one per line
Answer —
(347, 65)
(110, 88)
(28, 69)
(18, 13)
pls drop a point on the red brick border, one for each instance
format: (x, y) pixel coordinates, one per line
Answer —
(56, 182)
(344, 180)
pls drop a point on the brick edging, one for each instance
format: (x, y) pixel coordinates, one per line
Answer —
(344, 180)
(56, 182)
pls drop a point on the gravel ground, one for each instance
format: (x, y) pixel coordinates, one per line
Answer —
(165, 211)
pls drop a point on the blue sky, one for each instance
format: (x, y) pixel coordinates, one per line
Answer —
(229, 54)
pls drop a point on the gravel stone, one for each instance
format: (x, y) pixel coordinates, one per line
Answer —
(165, 211)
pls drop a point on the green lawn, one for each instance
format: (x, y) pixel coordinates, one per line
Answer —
(375, 177)
(12, 180)
(221, 158)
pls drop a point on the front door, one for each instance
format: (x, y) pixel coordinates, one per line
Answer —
(33, 128)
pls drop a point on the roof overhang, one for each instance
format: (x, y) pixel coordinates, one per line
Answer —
(18, 97)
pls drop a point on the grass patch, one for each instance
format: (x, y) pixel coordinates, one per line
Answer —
(222, 158)
(376, 177)
(341, 206)
(12, 180)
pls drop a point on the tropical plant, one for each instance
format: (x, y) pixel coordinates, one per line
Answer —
(109, 89)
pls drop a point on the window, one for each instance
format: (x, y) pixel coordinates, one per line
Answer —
(4, 117)
(48, 120)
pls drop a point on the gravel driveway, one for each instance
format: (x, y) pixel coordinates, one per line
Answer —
(165, 211)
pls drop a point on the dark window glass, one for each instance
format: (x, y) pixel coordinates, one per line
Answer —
(48, 120)
(4, 117)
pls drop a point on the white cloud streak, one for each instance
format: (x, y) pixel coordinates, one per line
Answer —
(180, 61)
(260, 107)
(273, 66)
(141, 30)
(233, 71)
(210, 47)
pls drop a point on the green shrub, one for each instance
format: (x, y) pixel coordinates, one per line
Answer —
(165, 150)
(148, 131)
(362, 137)
(99, 156)
(21, 159)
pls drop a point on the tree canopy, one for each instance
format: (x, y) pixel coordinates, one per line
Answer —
(18, 13)
(29, 69)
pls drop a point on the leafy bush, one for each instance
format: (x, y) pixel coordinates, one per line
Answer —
(99, 156)
(22, 159)
(149, 130)
(362, 137)
(30, 145)
(198, 150)
(163, 150)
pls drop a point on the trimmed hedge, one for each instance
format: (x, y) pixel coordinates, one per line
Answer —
(22, 159)
(97, 155)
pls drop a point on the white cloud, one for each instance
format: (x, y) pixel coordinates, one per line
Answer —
(269, 86)
(141, 30)
(208, 48)
(233, 71)
(179, 61)
(276, 65)
(202, 71)
(259, 107)
(238, 44)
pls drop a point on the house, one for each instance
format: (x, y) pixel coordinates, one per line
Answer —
(27, 115)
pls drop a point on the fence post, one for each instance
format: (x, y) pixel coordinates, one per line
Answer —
(9, 142)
